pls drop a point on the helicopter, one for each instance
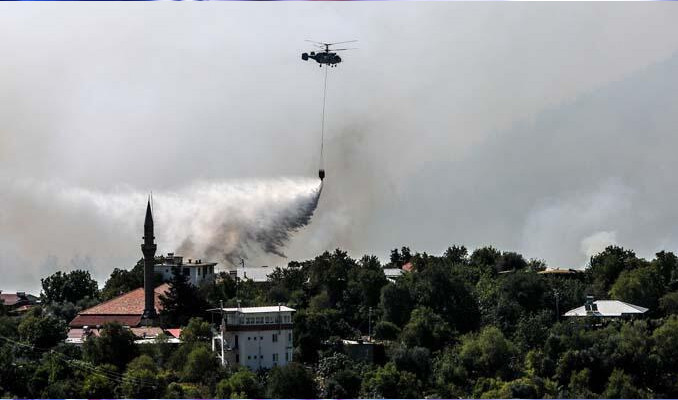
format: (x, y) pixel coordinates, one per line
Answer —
(326, 56)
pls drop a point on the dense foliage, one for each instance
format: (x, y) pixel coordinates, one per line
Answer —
(484, 324)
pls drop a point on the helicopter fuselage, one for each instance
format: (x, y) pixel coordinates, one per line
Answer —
(323, 57)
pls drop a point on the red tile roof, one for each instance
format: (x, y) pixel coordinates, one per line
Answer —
(407, 267)
(125, 309)
(10, 299)
(98, 320)
(130, 303)
(176, 332)
(146, 331)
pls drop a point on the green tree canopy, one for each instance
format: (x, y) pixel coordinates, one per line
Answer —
(242, 382)
(69, 286)
(182, 301)
(122, 281)
(291, 381)
(41, 329)
(640, 286)
(114, 345)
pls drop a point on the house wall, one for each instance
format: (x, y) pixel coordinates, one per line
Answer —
(264, 340)
(195, 277)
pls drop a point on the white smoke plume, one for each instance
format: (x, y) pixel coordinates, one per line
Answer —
(219, 221)
(597, 242)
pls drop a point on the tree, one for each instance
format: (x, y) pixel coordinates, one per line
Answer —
(182, 301)
(620, 386)
(396, 303)
(140, 379)
(53, 378)
(605, 267)
(385, 330)
(114, 345)
(488, 354)
(510, 261)
(640, 286)
(345, 384)
(201, 366)
(669, 303)
(426, 329)
(485, 257)
(222, 289)
(579, 387)
(197, 330)
(665, 340)
(457, 306)
(456, 254)
(311, 328)
(388, 382)
(666, 264)
(242, 382)
(291, 381)
(416, 360)
(71, 286)
(98, 384)
(122, 281)
(42, 330)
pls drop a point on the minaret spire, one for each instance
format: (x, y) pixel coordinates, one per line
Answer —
(148, 248)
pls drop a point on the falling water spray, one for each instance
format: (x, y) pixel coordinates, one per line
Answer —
(221, 221)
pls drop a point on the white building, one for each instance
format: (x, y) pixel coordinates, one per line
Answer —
(605, 308)
(197, 271)
(255, 337)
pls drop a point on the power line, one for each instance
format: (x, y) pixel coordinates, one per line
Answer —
(118, 377)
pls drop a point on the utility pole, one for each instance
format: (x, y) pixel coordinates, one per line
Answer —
(223, 328)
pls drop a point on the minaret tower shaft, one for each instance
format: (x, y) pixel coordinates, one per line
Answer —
(148, 248)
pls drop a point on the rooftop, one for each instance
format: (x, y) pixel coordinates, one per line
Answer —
(174, 260)
(607, 308)
(558, 271)
(125, 309)
(11, 299)
(255, 310)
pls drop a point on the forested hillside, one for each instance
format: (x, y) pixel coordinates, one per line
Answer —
(484, 324)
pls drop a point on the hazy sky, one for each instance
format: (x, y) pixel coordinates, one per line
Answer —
(545, 128)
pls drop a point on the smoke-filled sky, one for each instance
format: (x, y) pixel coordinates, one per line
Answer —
(545, 128)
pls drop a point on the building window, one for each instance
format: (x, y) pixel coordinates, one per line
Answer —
(248, 338)
(236, 340)
(255, 338)
(260, 320)
(275, 337)
(249, 357)
(237, 358)
(287, 356)
(261, 338)
(289, 337)
(275, 356)
(187, 271)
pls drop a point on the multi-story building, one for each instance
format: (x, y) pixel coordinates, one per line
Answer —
(255, 337)
(196, 271)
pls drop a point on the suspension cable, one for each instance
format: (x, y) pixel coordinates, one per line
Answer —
(322, 131)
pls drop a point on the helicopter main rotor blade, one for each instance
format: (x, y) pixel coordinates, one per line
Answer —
(348, 41)
(313, 41)
(350, 48)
